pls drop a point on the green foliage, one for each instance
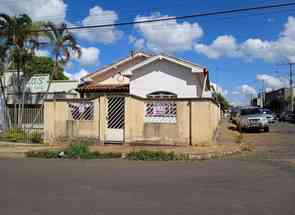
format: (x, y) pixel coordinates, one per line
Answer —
(19, 135)
(77, 150)
(43, 65)
(63, 44)
(36, 137)
(100, 155)
(145, 155)
(221, 100)
(48, 154)
(14, 135)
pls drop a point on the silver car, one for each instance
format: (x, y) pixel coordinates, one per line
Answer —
(252, 118)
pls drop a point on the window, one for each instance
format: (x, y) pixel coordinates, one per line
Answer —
(162, 95)
(160, 112)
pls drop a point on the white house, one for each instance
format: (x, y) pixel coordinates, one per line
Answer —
(151, 76)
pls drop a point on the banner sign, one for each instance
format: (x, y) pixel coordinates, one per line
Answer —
(38, 84)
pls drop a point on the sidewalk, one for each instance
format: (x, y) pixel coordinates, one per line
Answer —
(225, 145)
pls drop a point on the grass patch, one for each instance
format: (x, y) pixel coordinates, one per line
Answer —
(19, 135)
(74, 151)
(145, 155)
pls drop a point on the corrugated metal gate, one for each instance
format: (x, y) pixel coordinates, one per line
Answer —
(115, 118)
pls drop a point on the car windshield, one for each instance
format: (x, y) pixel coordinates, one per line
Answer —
(250, 111)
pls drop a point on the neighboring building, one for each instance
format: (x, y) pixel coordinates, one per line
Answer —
(26, 105)
(150, 76)
(276, 100)
(35, 90)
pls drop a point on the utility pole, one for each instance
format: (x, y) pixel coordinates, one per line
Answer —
(291, 86)
(291, 64)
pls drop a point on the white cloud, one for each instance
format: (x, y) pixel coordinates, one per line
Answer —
(138, 43)
(281, 49)
(76, 76)
(98, 16)
(219, 89)
(247, 90)
(42, 53)
(271, 81)
(53, 10)
(168, 36)
(90, 56)
(225, 45)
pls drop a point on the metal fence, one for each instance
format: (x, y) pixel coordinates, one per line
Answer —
(81, 110)
(160, 112)
(23, 125)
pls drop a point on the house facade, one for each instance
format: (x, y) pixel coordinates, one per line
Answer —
(141, 99)
(149, 76)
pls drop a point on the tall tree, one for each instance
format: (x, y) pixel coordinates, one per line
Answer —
(63, 44)
(221, 100)
(21, 35)
(43, 65)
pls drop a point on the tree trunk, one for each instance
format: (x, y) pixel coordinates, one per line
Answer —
(6, 110)
(51, 77)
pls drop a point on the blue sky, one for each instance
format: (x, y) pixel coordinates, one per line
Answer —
(240, 51)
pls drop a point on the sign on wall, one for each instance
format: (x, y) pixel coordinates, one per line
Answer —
(160, 112)
(38, 84)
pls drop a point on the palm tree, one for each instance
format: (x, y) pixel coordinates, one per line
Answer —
(20, 35)
(63, 45)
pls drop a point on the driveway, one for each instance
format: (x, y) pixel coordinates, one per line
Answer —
(254, 183)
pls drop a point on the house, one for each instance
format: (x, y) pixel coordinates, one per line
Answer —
(149, 76)
(141, 99)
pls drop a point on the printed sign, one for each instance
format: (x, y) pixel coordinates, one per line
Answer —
(38, 83)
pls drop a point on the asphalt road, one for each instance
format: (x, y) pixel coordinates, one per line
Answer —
(251, 184)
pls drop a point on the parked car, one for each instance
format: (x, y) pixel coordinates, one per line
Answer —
(269, 115)
(252, 118)
(287, 116)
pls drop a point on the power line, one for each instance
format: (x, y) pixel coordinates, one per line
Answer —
(214, 13)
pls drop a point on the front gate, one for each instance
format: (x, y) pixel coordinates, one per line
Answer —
(115, 118)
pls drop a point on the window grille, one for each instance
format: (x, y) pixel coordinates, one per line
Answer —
(160, 112)
(81, 110)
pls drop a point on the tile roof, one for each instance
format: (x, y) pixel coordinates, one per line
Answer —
(104, 88)
(119, 65)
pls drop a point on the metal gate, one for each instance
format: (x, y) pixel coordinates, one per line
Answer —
(115, 119)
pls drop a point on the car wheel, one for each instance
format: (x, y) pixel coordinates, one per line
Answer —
(266, 129)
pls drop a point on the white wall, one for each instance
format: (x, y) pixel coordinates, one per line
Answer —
(165, 76)
(116, 79)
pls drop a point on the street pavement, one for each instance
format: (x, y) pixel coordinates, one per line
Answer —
(261, 182)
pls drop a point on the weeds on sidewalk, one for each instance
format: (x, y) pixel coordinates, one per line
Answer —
(145, 155)
(74, 151)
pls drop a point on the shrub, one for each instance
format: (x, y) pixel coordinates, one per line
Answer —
(48, 154)
(14, 135)
(77, 151)
(106, 155)
(36, 137)
(74, 152)
(154, 156)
